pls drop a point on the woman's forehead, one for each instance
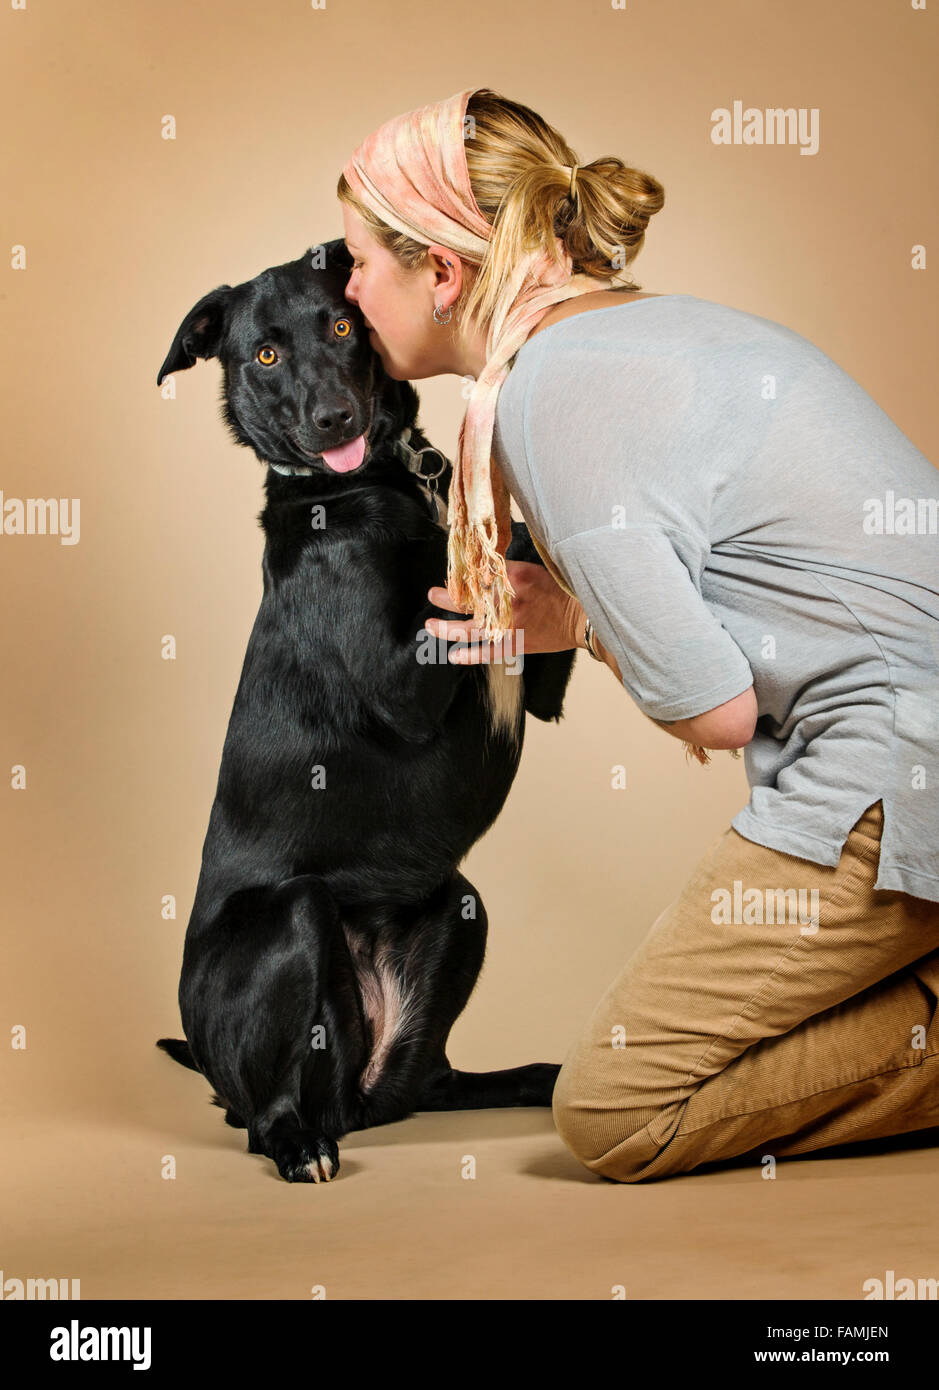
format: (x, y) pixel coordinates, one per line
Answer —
(356, 231)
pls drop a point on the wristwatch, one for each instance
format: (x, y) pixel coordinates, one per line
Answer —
(589, 635)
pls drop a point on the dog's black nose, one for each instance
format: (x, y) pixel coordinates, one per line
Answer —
(332, 415)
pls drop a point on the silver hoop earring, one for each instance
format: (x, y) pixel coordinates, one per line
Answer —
(438, 317)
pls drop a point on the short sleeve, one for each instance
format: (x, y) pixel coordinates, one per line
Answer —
(676, 658)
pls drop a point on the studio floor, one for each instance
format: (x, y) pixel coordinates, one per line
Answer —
(477, 1205)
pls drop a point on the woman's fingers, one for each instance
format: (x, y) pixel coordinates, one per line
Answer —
(476, 654)
(454, 631)
(443, 599)
(446, 627)
(478, 648)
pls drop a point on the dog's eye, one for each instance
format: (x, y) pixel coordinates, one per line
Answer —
(342, 328)
(267, 356)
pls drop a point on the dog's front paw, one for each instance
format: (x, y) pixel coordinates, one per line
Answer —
(306, 1157)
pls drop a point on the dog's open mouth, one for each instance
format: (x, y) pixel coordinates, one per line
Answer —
(342, 458)
(346, 456)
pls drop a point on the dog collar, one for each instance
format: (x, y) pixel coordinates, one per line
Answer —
(411, 458)
(289, 470)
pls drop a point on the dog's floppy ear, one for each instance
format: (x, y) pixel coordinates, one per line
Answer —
(200, 333)
(337, 254)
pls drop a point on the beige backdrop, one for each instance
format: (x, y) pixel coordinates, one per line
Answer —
(123, 231)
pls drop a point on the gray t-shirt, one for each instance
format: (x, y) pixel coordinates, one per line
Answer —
(731, 507)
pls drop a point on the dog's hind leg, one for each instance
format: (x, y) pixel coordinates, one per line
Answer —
(428, 966)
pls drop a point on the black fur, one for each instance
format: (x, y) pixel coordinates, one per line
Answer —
(355, 777)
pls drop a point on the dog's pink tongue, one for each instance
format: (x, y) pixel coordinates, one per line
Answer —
(346, 456)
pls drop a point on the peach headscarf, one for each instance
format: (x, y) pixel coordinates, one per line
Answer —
(412, 174)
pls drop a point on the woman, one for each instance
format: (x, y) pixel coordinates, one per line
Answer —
(715, 500)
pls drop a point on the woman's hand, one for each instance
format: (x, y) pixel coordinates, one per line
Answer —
(545, 615)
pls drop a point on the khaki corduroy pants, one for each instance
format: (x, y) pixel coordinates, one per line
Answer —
(776, 1005)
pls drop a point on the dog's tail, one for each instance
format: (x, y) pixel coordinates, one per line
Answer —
(178, 1049)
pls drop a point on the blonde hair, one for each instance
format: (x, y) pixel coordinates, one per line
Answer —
(513, 158)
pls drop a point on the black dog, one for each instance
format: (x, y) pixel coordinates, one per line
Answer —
(333, 942)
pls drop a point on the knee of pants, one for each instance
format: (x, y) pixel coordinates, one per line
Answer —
(597, 1131)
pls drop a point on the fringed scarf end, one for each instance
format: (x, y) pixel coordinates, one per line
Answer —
(477, 578)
